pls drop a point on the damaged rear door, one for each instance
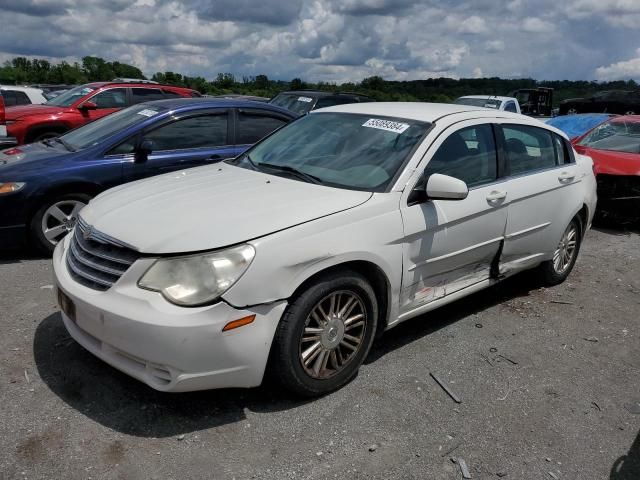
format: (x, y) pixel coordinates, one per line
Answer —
(544, 185)
(452, 244)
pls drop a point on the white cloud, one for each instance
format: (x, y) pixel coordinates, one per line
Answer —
(537, 25)
(493, 46)
(477, 73)
(473, 25)
(625, 70)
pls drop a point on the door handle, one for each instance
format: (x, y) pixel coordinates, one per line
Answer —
(496, 196)
(566, 177)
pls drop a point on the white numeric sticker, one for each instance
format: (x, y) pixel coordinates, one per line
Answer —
(389, 126)
(147, 112)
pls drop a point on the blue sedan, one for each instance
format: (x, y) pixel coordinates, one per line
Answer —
(44, 185)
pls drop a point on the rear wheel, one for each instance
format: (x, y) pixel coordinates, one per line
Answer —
(55, 218)
(325, 334)
(556, 270)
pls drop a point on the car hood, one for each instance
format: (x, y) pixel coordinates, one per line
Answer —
(32, 157)
(612, 163)
(210, 207)
(14, 113)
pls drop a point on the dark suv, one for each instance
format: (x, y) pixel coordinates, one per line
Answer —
(80, 105)
(303, 101)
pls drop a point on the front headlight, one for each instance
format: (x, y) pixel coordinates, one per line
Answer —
(10, 187)
(197, 279)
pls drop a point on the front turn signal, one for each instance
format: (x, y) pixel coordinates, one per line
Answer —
(241, 322)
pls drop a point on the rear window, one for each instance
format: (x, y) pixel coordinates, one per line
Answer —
(298, 103)
(139, 95)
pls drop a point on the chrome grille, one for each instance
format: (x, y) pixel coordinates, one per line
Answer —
(95, 260)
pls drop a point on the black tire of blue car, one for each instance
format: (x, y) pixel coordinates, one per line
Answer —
(548, 272)
(36, 228)
(286, 365)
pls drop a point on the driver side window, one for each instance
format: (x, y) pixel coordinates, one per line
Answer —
(468, 154)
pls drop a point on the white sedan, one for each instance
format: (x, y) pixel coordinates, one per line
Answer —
(295, 255)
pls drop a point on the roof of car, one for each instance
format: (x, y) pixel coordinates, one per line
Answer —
(133, 84)
(489, 97)
(20, 89)
(321, 93)
(209, 102)
(426, 112)
(431, 112)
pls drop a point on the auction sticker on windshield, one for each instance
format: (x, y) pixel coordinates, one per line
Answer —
(147, 112)
(387, 125)
(305, 99)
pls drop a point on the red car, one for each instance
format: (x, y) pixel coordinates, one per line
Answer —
(614, 147)
(75, 107)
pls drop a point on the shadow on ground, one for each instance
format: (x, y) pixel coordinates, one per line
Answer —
(17, 256)
(627, 467)
(121, 403)
(517, 286)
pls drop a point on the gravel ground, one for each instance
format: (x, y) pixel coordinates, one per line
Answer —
(548, 379)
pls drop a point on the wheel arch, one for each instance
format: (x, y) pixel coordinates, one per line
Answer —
(39, 128)
(374, 274)
(66, 188)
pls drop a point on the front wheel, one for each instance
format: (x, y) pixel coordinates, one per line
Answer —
(55, 218)
(325, 334)
(556, 270)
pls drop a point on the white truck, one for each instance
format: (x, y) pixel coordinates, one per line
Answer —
(507, 104)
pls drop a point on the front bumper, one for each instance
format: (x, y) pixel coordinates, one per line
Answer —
(170, 348)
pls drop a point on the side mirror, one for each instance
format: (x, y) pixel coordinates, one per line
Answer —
(444, 187)
(88, 105)
(142, 151)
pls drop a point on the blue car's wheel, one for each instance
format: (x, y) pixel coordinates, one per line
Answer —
(55, 218)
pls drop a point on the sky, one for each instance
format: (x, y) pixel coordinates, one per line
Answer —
(336, 40)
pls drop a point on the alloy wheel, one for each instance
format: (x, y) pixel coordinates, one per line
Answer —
(333, 333)
(59, 219)
(566, 251)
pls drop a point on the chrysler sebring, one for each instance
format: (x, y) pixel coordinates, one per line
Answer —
(292, 257)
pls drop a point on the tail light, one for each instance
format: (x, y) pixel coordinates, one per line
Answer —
(2, 116)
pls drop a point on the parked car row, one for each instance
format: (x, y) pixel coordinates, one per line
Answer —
(78, 106)
(51, 180)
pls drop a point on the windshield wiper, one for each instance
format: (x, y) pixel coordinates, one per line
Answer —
(299, 173)
(65, 144)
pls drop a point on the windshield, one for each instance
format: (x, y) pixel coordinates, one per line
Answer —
(479, 102)
(353, 151)
(70, 96)
(95, 132)
(618, 136)
(299, 104)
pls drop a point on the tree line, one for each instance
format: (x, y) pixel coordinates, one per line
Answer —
(21, 70)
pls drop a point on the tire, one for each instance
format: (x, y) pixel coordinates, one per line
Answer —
(286, 364)
(45, 217)
(555, 271)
